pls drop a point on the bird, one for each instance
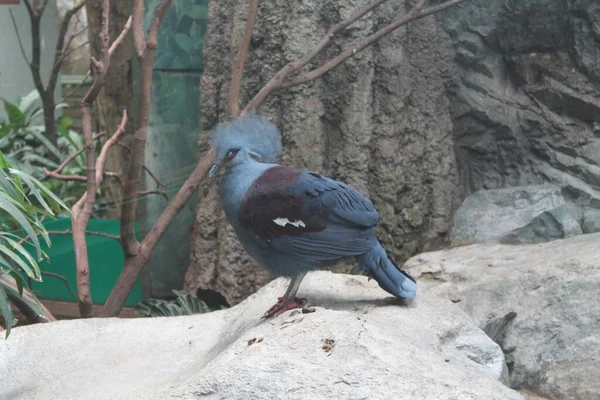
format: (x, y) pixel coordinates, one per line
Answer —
(292, 221)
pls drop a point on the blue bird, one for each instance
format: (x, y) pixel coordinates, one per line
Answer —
(293, 221)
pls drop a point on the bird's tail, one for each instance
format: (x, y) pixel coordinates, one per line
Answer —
(379, 266)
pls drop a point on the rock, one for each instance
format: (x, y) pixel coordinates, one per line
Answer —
(363, 344)
(526, 106)
(526, 214)
(553, 343)
(379, 122)
(486, 95)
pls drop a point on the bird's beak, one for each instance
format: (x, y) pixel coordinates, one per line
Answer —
(213, 170)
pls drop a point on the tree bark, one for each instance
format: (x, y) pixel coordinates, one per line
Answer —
(117, 94)
(380, 122)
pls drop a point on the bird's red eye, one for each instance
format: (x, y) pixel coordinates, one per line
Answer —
(230, 154)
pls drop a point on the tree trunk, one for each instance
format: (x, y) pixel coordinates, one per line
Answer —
(49, 120)
(379, 122)
(116, 95)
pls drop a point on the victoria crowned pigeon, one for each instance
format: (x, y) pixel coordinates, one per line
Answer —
(293, 221)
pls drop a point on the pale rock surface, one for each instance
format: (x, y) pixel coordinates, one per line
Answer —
(523, 214)
(362, 344)
(553, 344)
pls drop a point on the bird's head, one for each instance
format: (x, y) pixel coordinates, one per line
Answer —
(251, 136)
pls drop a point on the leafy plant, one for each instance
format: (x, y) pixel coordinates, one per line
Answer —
(26, 148)
(184, 304)
(24, 201)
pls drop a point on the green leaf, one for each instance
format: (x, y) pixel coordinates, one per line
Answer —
(4, 130)
(63, 124)
(39, 135)
(34, 183)
(3, 163)
(7, 204)
(28, 297)
(6, 311)
(15, 116)
(34, 272)
(184, 42)
(27, 102)
(20, 282)
(19, 261)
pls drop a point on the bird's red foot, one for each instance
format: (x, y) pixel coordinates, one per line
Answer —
(284, 305)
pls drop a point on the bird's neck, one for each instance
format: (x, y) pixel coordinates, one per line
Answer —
(236, 181)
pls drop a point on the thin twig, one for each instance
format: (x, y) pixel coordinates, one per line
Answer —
(120, 38)
(74, 156)
(276, 82)
(142, 193)
(59, 54)
(158, 183)
(12, 16)
(67, 53)
(77, 178)
(64, 280)
(76, 87)
(233, 101)
(103, 156)
(281, 81)
(28, 7)
(72, 37)
(134, 266)
(61, 177)
(70, 232)
(413, 14)
(161, 10)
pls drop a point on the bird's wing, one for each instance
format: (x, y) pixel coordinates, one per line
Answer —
(304, 214)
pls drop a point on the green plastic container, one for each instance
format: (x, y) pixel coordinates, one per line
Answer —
(106, 263)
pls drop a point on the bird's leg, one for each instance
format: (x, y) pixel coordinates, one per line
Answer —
(289, 301)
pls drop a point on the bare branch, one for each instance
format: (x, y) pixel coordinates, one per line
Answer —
(28, 7)
(137, 17)
(146, 53)
(93, 233)
(76, 87)
(142, 193)
(276, 82)
(103, 156)
(67, 53)
(61, 177)
(233, 101)
(78, 178)
(59, 54)
(72, 37)
(73, 156)
(415, 13)
(12, 17)
(281, 81)
(161, 10)
(120, 38)
(158, 183)
(70, 232)
(44, 4)
(133, 266)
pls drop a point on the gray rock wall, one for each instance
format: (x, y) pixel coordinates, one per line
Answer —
(380, 122)
(526, 108)
(487, 95)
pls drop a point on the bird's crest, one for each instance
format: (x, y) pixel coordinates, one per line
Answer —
(252, 132)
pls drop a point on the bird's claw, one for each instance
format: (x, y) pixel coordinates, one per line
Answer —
(284, 305)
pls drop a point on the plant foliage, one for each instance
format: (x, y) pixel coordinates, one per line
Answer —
(26, 148)
(24, 201)
(184, 304)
